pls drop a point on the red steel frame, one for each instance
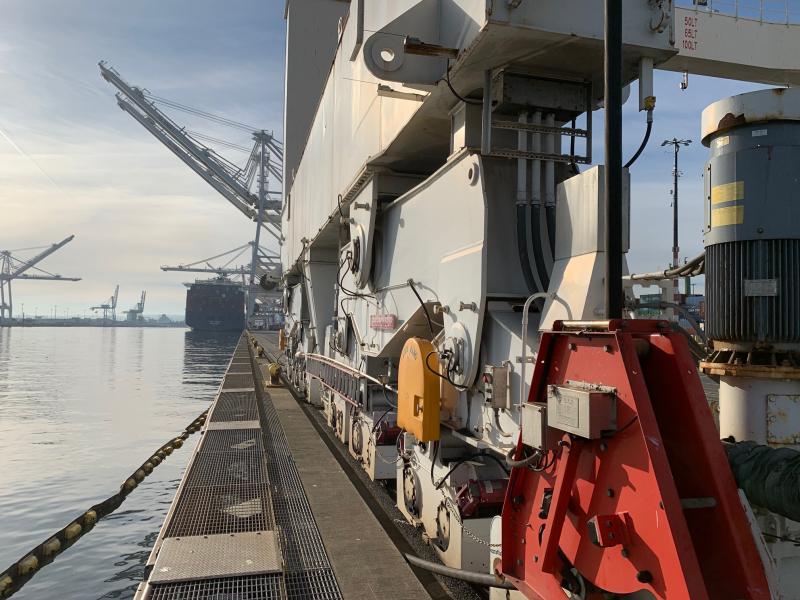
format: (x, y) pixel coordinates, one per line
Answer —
(630, 484)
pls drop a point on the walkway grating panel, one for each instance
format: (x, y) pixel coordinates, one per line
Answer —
(226, 468)
(238, 381)
(232, 440)
(307, 570)
(235, 406)
(221, 509)
(253, 587)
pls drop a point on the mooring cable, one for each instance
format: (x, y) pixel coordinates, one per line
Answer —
(20, 572)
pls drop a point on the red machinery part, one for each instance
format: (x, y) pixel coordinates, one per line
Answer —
(611, 508)
(386, 434)
(481, 497)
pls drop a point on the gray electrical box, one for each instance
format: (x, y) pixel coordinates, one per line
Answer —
(496, 386)
(534, 425)
(582, 409)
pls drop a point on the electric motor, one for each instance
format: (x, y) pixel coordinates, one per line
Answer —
(752, 184)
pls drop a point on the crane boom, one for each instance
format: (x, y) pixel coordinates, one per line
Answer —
(12, 268)
(227, 179)
(36, 259)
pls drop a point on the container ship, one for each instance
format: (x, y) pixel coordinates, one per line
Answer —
(215, 305)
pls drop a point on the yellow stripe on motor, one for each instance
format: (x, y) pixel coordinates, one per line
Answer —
(727, 215)
(727, 192)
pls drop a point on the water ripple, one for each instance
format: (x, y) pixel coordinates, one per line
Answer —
(79, 409)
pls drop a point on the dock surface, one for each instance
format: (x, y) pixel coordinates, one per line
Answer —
(265, 511)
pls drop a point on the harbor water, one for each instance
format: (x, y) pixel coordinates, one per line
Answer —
(80, 409)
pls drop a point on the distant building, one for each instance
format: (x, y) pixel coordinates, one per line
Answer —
(164, 319)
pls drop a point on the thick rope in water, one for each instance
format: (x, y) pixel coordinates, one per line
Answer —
(20, 572)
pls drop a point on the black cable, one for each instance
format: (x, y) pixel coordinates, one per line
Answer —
(624, 427)
(644, 141)
(522, 249)
(464, 459)
(424, 308)
(454, 92)
(433, 459)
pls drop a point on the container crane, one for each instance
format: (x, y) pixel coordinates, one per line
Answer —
(110, 306)
(12, 268)
(225, 270)
(135, 313)
(232, 182)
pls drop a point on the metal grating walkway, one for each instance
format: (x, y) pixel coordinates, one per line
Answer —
(308, 572)
(243, 479)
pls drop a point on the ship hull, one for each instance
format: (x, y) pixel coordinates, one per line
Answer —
(215, 306)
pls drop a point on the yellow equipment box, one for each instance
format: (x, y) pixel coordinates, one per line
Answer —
(418, 401)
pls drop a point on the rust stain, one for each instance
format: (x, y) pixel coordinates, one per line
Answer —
(731, 120)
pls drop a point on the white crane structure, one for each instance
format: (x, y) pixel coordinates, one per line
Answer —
(135, 313)
(12, 267)
(204, 265)
(234, 183)
(110, 306)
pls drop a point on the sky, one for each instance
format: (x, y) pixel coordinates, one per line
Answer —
(71, 162)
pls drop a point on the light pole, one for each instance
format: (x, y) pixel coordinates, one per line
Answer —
(676, 145)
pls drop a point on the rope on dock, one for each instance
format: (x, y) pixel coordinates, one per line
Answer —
(20, 572)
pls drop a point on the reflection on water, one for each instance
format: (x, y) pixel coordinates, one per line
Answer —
(80, 408)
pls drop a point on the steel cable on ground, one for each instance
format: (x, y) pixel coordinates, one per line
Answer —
(23, 570)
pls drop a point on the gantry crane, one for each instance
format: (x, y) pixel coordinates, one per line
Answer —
(110, 306)
(226, 270)
(232, 182)
(135, 313)
(12, 268)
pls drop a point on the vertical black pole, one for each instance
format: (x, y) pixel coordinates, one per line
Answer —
(675, 248)
(613, 158)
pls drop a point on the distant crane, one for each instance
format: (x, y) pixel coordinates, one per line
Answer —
(110, 306)
(204, 265)
(12, 268)
(135, 313)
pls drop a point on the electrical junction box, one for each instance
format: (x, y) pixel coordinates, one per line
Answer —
(582, 409)
(496, 386)
(534, 425)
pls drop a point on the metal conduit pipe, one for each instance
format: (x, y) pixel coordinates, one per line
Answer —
(522, 248)
(537, 215)
(486, 579)
(522, 204)
(524, 335)
(538, 197)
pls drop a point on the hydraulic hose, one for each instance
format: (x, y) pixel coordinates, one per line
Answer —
(522, 249)
(550, 215)
(538, 255)
(770, 477)
(487, 579)
(647, 133)
(694, 267)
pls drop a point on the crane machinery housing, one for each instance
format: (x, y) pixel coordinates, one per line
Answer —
(453, 263)
(14, 268)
